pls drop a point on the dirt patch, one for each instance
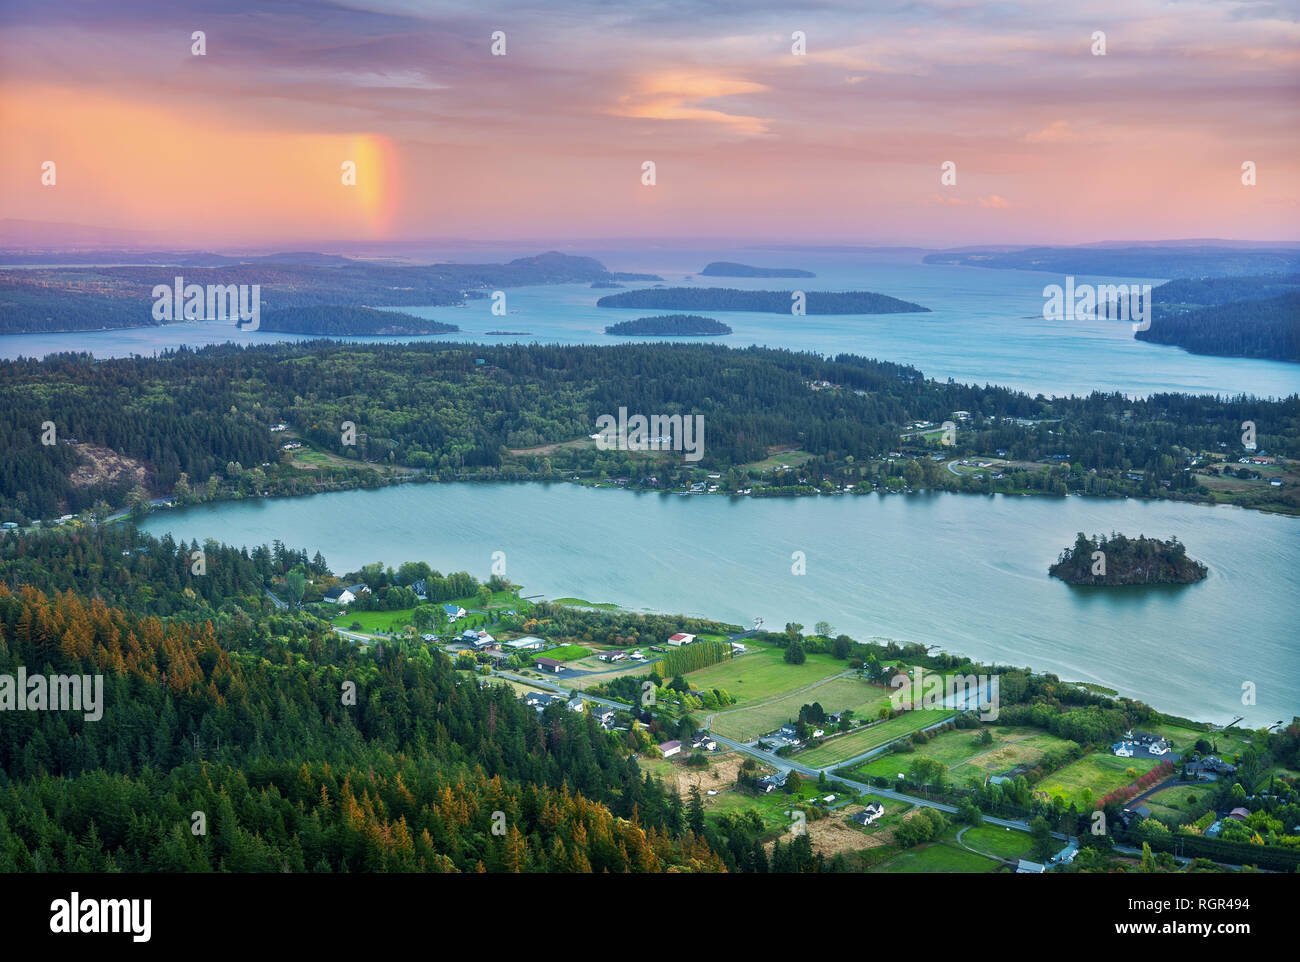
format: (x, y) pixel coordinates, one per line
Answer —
(834, 834)
(104, 465)
(719, 776)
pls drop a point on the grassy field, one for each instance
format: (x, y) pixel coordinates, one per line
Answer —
(567, 653)
(761, 674)
(1174, 803)
(1021, 746)
(773, 807)
(956, 749)
(1103, 773)
(836, 694)
(938, 857)
(579, 603)
(378, 621)
(1001, 842)
(843, 747)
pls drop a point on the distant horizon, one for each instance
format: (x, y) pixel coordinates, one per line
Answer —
(555, 242)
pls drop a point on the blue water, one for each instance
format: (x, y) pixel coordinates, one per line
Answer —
(965, 572)
(985, 326)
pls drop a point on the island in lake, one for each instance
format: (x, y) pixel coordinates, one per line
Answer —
(771, 302)
(350, 322)
(510, 333)
(729, 269)
(671, 325)
(1126, 561)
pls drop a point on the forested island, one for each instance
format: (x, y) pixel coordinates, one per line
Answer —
(730, 269)
(770, 302)
(350, 321)
(1268, 327)
(676, 325)
(1119, 560)
(201, 425)
(94, 298)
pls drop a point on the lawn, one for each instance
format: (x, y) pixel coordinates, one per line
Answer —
(999, 841)
(567, 653)
(1103, 773)
(836, 694)
(938, 857)
(1173, 803)
(375, 621)
(761, 674)
(843, 747)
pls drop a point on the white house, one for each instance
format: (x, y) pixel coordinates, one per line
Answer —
(1122, 750)
(453, 612)
(680, 639)
(340, 596)
(669, 749)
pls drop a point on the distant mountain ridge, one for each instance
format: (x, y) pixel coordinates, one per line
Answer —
(1171, 262)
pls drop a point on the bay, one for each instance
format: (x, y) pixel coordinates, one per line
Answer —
(965, 572)
(984, 327)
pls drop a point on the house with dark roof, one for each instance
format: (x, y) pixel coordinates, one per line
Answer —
(453, 612)
(549, 664)
(669, 749)
(769, 783)
(1209, 768)
(540, 699)
(340, 596)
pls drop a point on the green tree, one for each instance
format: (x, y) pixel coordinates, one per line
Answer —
(794, 653)
(1041, 833)
(294, 586)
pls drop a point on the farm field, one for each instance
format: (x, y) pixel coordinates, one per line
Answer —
(938, 857)
(844, 747)
(1101, 773)
(834, 695)
(1023, 746)
(953, 749)
(761, 674)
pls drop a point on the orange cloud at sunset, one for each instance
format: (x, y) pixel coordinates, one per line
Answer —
(185, 174)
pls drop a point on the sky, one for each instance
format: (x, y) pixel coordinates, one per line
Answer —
(842, 144)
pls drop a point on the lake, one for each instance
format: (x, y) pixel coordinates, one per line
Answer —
(965, 572)
(985, 326)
